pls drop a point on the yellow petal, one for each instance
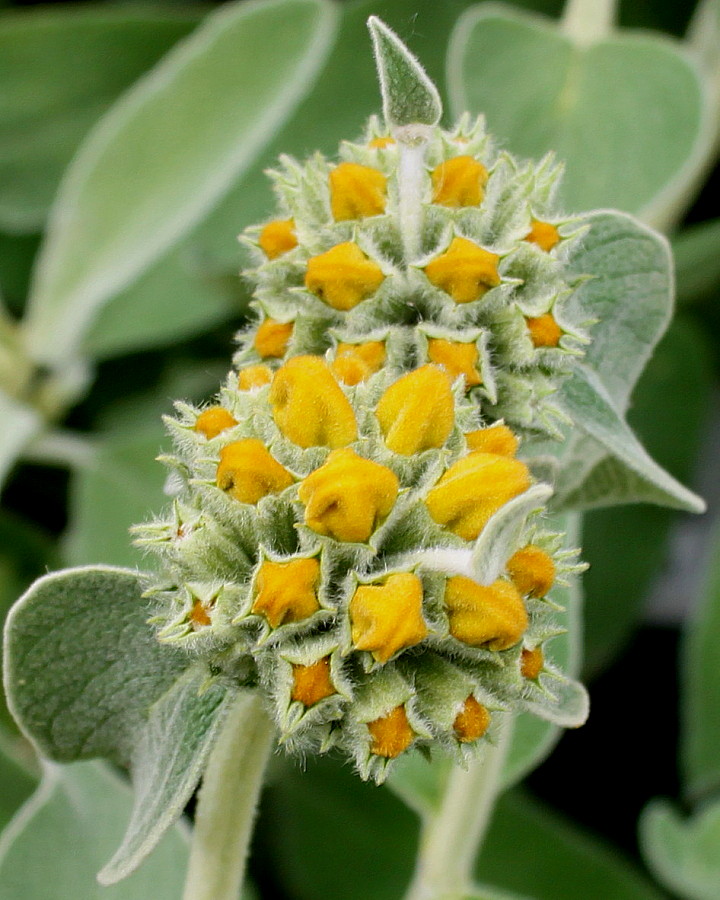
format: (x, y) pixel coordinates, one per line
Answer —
(391, 734)
(495, 439)
(456, 358)
(492, 616)
(277, 238)
(354, 363)
(347, 497)
(465, 271)
(473, 489)
(213, 420)
(254, 377)
(545, 235)
(271, 338)
(417, 412)
(387, 617)
(532, 570)
(248, 472)
(472, 721)
(343, 276)
(356, 191)
(308, 405)
(312, 683)
(287, 591)
(544, 331)
(459, 182)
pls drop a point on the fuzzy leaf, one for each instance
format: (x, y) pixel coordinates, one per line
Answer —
(167, 764)
(60, 70)
(683, 853)
(159, 160)
(19, 424)
(409, 97)
(626, 113)
(58, 840)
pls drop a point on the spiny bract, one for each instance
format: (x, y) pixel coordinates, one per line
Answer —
(353, 531)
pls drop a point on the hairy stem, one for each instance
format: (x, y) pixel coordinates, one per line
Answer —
(451, 836)
(586, 21)
(227, 803)
(411, 176)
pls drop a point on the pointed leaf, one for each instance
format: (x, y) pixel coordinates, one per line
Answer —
(58, 840)
(408, 95)
(166, 153)
(18, 426)
(167, 763)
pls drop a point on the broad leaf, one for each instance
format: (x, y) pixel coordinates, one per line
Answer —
(60, 838)
(60, 70)
(159, 160)
(683, 854)
(167, 764)
(701, 687)
(625, 114)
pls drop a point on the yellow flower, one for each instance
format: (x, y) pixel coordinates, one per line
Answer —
(459, 182)
(381, 142)
(544, 331)
(356, 191)
(391, 734)
(287, 591)
(308, 405)
(531, 663)
(271, 338)
(472, 721)
(474, 488)
(199, 615)
(497, 439)
(457, 358)
(343, 276)
(248, 472)
(545, 235)
(213, 420)
(277, 238)
(347, 497)
(354, 363)
(254, 377)
(465, 271)
(417, 411)
(387, 617)
(532, 570)
(312, 683)
(492, 616)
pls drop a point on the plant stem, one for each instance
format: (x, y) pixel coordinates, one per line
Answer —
(61, 448)
(227, 802)
(587, 21)
(451, 836)
(411, 176)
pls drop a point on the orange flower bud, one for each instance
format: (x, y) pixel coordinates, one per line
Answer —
(497, 439)
(381, 142)
(474, 488)
(456, 358)
(271, 338)
(199, 616)
(254, 377)
(531, 663)
(312, 683)
(417, 411)
(465, 271)
(532, 570)
(356, 191)
(387, 617)
(544, 331)
(248, 472)
(287, 591)
(459, 182)
(308, 405)
(213, 420)
(355, 362)
(472, 721)
(545, 235)
(277, 238)
(391, 734)
(343, 276)
(492, 616)
(348, 496)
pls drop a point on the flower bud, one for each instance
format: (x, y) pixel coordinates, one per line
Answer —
(532, 571)
(465, 271)
(277, 238)
(387, 617)
(343, 276)
(459, 181)
(354, 363)
(287, 591)
(472, 721)
(497, 439)
(271, 338)
(531, 663)
(492, 616)
(356, 191)
(391, 734)
(457, 359)
(417, 412)
(312, 683)
(252, 377)
(213, 420)
(544, 331)
(545, 235)
(248, 472)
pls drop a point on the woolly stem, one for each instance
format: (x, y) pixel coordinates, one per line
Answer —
(587, 21)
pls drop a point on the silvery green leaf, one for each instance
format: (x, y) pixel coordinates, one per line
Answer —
(408, 95)
(19, 424)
